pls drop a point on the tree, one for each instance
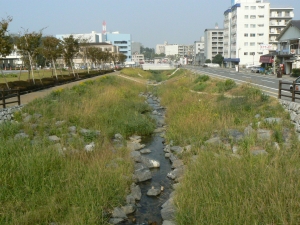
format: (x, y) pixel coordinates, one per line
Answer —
(218, 59)
(92, 53)
(148, 52)
(207, 61)
(28, 45)
(122, 58)
(70, 50)
(6, 45)
(51, 50)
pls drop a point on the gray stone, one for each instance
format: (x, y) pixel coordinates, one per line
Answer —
(72, 129)
(259, 152)
(136, 191)
(150, 163)
(257, 116)
(168, 210)
(128, 209)
(136, 156)
(119, 213)
(27, 118)
(235, 149)
(172, 157)
(176, 149)
(21, 135)
(235, 134)
(145, 151)
(248, 131)
(133, 146)
(214, 141)
(188, 148)
(142, 175)
(167, 148)
(118, 137)
(90, 147)
(59, 123)
(54, 138)
(264, 134)
(273, 120)
(130, 199)
(159, 130)
(276, 146)
(153, 192)
(167, 155)
(177, 163)
(116, 220)
(176, 173)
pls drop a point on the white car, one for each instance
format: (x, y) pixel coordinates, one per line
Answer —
(297, 85)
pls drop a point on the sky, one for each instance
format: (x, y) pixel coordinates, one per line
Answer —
(149, 22)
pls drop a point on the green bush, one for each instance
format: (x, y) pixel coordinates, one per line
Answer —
(200, 87)
(225, 86)
(202, 78)
(296, 72)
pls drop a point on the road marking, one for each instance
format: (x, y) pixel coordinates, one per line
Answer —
(268, 81)
(246, 76)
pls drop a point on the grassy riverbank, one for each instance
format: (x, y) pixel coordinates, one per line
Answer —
(41, 184)
(220, 187)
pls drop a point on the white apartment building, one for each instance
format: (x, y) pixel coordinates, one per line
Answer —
(138, 58)
(171, 49)
(160, 48)
(250, 30)
(279, 17)
(92, 37)
(198, 53)
(213, 42)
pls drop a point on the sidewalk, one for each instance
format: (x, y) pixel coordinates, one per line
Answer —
(26, 98)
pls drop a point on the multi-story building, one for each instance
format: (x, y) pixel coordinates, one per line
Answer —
(250, 30)
(213, 42)
(135, 48)
(123, 41)
(138, 58)
(160, 48)
(92, 37)
(279, 17)
(198, 53)
(171, 49)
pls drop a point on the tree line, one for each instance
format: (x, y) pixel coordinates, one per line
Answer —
(36, 49)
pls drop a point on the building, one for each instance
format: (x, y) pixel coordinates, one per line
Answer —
(123, 41)
(138, 58)
(171, 49)
(135, 48)
(14, 59)
(92, 37)
(213, 42)
(160, 48)
(279, 17)
(198, 53)
(250, 30)
(288, 49)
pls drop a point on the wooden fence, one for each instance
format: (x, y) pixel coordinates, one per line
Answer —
(293, 91)
(12, 95)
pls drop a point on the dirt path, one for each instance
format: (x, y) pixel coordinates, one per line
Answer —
(26, 98)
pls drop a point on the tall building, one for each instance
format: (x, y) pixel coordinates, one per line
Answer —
(92, 37)
(213, 42)
(135, 48)
(198, 53)
(250, 30)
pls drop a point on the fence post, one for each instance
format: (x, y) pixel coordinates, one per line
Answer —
(293, 91)
(3, 99)
(19, 97)
(279, 89)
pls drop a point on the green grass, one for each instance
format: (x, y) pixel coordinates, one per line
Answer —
(219, 188)
(39, 185)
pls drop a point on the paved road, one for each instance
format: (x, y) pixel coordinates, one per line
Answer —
(267, 83)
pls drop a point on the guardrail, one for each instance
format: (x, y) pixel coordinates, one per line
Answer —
(8, 94)
(294, 91)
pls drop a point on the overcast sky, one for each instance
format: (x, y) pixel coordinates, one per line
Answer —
(150, 22)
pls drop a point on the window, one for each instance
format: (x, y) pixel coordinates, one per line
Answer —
(245, 43)
(261, 6)
(245, 34)
(246, 16)
(260, 53)
(252, 53)
(260, 25)
(260, 34)
(253, 7)
(261, 16)
(245, 53)
(246, 7)
(252, 17)
(252, 25)
(252, 35)
(246, 25)
(252, 43)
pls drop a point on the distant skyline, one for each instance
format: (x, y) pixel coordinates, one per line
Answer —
(149, 22)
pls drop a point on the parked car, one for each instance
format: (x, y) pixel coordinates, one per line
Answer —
(256, 69)
(297, 86)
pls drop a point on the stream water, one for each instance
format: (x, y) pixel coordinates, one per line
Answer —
(149, 207)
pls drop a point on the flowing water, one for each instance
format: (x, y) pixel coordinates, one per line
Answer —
(148, 208)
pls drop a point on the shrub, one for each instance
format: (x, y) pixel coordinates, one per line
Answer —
(201, 78)
(200, 86)
(296, 72)
(225, 86)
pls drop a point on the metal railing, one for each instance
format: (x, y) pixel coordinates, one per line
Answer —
(11, 94)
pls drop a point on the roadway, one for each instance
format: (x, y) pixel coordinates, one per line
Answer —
(269, 84)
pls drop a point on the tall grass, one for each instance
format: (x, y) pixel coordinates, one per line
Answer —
(219, 188)
(39, 185)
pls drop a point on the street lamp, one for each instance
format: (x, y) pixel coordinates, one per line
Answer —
(253, 53)
(238, 56)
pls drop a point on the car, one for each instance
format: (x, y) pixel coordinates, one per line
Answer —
(297, 85)
(255, 69)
